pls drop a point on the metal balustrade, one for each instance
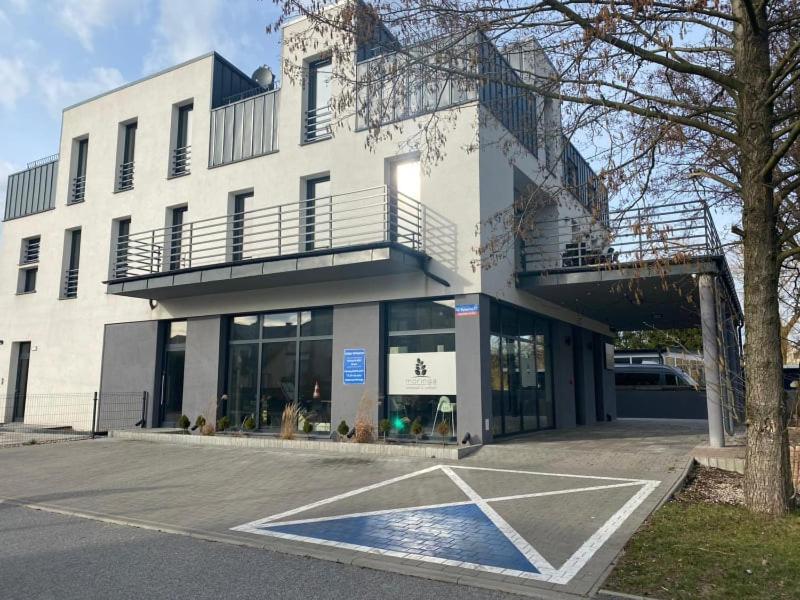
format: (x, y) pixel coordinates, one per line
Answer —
(672, 232)
(43, 161)
(30, 253)
(329, 223)
(181, 160)
(318, 123)
(78, 189)
(71, 283)
(125, 181)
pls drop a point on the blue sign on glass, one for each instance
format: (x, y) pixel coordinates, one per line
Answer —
(467, 310)
(354, 366)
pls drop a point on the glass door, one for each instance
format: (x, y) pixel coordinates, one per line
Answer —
(172, 376)
(21, 387)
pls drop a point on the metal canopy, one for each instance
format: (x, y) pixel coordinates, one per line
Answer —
(277, 271)
(663, 296)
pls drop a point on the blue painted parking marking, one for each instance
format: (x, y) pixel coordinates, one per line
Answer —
(456, 533)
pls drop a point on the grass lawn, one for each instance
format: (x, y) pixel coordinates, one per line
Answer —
(693, 548)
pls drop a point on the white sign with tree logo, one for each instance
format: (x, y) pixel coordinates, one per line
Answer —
(424, 373)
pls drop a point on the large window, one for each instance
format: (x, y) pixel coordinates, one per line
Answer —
(421, 381)
(29, 265)
(277, 358)
(520, 376)
(318, 112)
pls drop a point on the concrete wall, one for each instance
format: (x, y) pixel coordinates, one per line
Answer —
(202, 375)
(357, 326)
(130, 365)
(563, 374)
(474, 404)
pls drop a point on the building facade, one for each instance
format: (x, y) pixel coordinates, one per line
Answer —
(228, 247)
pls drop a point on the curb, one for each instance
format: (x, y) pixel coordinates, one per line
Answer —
(621, 596)
(225, 441)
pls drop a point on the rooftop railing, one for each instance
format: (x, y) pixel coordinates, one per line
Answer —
(43, 161)
(676, 232)
(329, 223)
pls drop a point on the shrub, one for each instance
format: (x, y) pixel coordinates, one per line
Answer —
(249, 424)
(384, 426)
(365, 423)
(223, 423)
(443, 428)
(416, 427)
(289, 420)
(207, 429)
(184, 422)
(308, 426)
(343, 428)
(199, 423)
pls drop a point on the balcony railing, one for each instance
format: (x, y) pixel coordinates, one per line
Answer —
(71, 283)
(125, 177)
(31, 253)
(181, 161)
(318, 123)
(78, 189)
(326, 224)
(675, 232)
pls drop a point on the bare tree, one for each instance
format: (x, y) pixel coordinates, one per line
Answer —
(680, 97)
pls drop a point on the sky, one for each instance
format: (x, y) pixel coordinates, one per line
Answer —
(54, 53)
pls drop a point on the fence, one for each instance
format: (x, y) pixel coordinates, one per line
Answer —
(46, 418)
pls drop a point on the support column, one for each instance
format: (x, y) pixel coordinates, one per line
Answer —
(708, 318)
(473, 373)
(202, 373)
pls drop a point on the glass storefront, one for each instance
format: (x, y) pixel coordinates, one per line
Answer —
(420, 363)
(522, 398)
(277, 358)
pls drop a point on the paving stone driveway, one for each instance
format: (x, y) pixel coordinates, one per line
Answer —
(543, 515)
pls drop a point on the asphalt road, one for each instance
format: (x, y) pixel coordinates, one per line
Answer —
(45, 555)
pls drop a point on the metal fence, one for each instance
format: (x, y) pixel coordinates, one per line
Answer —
(47, 418)
(675, 232)
(361, 217)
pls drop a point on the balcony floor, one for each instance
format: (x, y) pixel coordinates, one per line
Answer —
(308, 267)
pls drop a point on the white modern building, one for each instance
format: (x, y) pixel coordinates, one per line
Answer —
(227, 245)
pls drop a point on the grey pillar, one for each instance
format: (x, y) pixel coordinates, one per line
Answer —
(356, 326)
(563, 376)
(708, 317)
(474, 404)
(202, 368)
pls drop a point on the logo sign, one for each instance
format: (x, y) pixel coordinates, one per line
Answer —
(354, 366)
(467, 310)
(423, 373)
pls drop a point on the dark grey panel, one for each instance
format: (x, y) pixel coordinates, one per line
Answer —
(474, 394)
(661, 404)
(243, 129)
(31, 191)
(202, 371)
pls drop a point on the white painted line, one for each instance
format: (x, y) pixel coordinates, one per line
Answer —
(349, 494)
(598, 477)
(561, 492)
(579, 559)
(528, 551)
(394, 554)
(370, 513)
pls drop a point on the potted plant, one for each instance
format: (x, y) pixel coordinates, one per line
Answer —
(223, 423)
(343, 429)
(443, 428)
(308, 427)
(416, 428)
(384, 426)
(184, 423)
(249, 423)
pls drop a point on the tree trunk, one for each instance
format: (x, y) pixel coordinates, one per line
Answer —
(767, 482)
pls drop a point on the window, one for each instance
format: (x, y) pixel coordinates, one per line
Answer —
(278, 358)
(29, 258)
(177, 259)
(127, 156)
(637, 378)
(81, 156)
(70, 288)
(241, 204)
(318, 112)
(421, 366)
(120, 254)
(182, 151)
(316, 215)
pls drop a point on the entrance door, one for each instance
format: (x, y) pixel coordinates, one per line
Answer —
(172, 375)
(21, 387)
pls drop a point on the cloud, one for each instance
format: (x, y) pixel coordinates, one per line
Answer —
(57, 92)
(14, 81)
(82, 18)
(186, 29)
(21, 6)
